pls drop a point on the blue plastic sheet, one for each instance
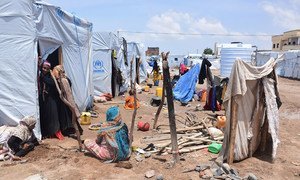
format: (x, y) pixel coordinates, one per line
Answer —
(186, 85)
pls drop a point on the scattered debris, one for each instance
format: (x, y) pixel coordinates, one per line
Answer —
(159, 177)
(147, 154)
(198, 168)
(296, 163)
(198, 106)
(159, 158)
(215, 171)
(194, 134)
(36, 177)
(139, 158)
(250, 176)
(206, 174)
(170, 164)
(150, 174)
(124, 164)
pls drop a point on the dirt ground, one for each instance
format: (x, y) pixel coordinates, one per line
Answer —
(55, 159)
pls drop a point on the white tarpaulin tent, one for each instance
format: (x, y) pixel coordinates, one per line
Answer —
(23, 24)
(57, 28)
(103, 44)
(288, 66)
(18, 70)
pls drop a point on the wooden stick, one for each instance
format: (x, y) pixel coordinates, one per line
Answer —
(137, 77)
(160, 107)
(205, 139)
(232, 135)
(190, 143)
(166, 145)
(131, 68)
(191, 149)
(171, 112)
(183, 129)
(111, 103)
(161, 137)
(134, 113)
(204, 124)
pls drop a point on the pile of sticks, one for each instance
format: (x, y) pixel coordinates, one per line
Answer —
(193, 136)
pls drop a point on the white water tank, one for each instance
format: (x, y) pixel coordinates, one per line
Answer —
(230, 52)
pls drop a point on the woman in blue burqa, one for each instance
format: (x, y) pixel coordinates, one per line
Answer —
(112, 142)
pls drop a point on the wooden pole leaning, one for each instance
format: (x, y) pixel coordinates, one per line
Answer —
(169, 93)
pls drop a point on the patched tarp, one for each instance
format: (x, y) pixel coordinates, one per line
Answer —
(254, 93)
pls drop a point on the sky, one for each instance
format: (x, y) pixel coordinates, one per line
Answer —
(189, 26)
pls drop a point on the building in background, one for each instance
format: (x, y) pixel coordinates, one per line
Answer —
(152, 51)
(289, 40)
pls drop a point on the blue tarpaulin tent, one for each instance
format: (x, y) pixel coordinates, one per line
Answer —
(186, 85)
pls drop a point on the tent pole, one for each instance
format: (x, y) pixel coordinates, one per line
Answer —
(138, 60)
(133, 115)
(134, 111)
(131, 68)
(172, 121)
(233, 125)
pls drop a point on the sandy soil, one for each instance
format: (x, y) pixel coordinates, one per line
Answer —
(55, 159)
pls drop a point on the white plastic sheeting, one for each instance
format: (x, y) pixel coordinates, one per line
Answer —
(18, 70)
(122, 65)
(288, 66)
(23, 23)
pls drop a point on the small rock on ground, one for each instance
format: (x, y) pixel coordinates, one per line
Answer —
(150, 174)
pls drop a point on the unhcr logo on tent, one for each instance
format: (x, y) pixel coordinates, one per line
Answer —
(59, 13)
(98, 66)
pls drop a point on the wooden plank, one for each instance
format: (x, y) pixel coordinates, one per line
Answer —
(191, 149)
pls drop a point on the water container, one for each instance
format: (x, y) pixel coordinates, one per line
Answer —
(159, 92)
(230, 53)
(85, 118)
